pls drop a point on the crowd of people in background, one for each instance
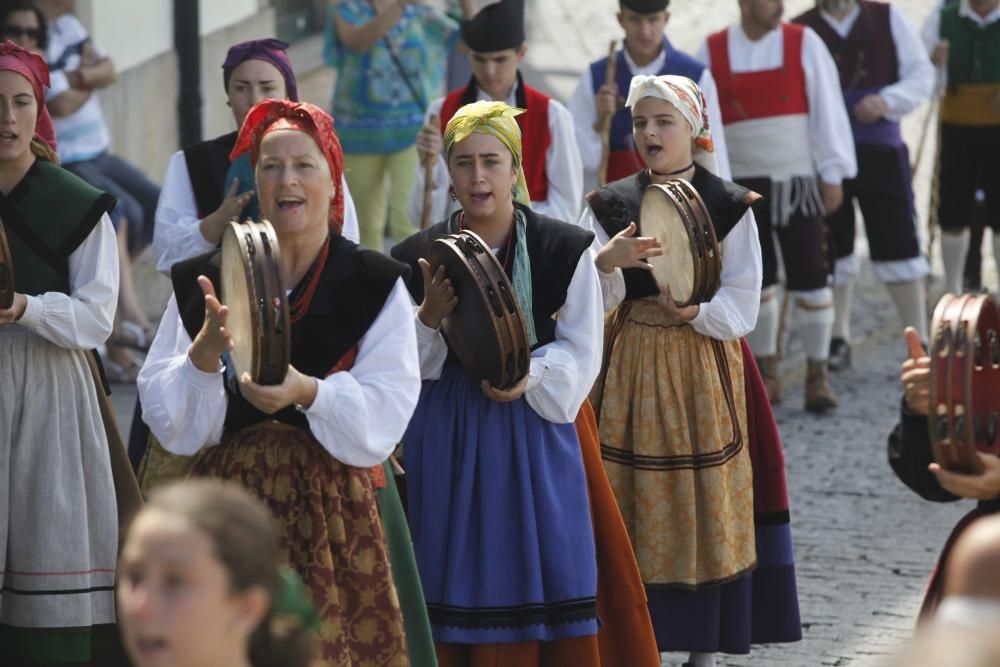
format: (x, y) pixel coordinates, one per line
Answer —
(626, 499)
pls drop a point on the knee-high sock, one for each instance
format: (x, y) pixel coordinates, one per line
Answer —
(702, 659)
(911, 304)
(954, 248)
(814, 320)
(843, 295)
(763, 339)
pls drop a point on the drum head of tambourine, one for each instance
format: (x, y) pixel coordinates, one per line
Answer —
(6, 272)
(236, 295)
(475, 348)
(659, 218)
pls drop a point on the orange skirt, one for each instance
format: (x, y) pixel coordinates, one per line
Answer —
(626, 636)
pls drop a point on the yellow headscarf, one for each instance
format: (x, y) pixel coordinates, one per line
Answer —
(496, 119)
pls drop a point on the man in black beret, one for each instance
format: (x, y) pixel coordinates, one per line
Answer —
(552, 166)
(646, 51)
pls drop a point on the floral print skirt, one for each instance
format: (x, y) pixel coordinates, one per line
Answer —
(328, 516)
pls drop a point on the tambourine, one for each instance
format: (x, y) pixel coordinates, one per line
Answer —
(486, 330)
(964, 412)
(690, 265)
(253, 289)
(6, 272)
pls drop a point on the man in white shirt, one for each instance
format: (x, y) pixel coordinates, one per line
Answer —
(646, 51)
(789, 138)
(885, 74)
(552, 166)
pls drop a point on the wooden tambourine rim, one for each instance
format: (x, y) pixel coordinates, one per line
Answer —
(510, 307)
(509, 327)
(954, 373)
(7, 283)
(702, 242)
(267, 303)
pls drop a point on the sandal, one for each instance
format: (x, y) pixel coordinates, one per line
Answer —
(130, 334)
(121, 374)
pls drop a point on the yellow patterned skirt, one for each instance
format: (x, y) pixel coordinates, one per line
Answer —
(671, 412)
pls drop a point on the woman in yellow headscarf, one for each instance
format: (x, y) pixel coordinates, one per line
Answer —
(498, 502)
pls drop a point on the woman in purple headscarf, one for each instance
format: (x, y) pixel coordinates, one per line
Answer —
(202, 189)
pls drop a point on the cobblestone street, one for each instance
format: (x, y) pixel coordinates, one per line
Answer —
(864, 544)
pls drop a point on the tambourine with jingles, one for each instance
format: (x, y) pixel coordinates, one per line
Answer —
(964, 412)
(253, 289)
(6, 272)
(486, 330)
(690, 264)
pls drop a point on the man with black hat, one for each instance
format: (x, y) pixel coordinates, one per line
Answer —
(885, 74)
(789, 138)
(552, 166)
(647, 51)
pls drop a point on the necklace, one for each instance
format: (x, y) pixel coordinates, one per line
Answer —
(672, 173)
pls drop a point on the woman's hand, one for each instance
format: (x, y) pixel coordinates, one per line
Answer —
(626, 251)
(504, 395)
(13, 314)
(916, 374)
(230, 209)
(439, 296)
(675, 312)
(214, 338)
(295, 389)
(981, 486)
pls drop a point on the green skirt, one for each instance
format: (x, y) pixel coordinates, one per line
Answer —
(404, 574)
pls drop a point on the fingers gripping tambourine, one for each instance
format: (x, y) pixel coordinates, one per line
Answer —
(6, 272)
(690, 265)
(964, 412)
(253, 289)
(486, 330)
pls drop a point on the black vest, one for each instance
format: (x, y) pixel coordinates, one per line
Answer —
(207, 165)
(47, 216)
(555, 249)
(352, 290)
(867, 57)
(617, 204)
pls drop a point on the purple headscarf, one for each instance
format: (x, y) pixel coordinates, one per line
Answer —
(273, 51)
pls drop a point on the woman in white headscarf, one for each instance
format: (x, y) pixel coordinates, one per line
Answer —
(672, 397)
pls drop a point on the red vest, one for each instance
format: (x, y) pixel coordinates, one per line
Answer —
(764, 94)
(535, 135)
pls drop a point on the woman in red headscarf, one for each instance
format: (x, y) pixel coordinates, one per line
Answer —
(305, 446)
(58, 517)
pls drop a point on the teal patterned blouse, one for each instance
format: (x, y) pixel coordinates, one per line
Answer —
(374, 109)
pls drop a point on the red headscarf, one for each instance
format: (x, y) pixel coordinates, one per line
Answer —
(270, 115)
(33, 68)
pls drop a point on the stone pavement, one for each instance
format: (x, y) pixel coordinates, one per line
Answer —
(864, 544)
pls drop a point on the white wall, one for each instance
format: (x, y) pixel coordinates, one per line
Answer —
(136, 31)
(133, 32)
(217, 14)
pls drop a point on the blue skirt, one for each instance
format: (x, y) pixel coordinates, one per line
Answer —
(757, 608)
(500, 518)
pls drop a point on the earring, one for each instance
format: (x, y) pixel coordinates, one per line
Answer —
(451, 193)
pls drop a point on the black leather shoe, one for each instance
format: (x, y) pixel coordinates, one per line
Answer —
(840, 354)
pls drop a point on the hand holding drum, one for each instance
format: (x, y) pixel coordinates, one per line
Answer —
(439, 296)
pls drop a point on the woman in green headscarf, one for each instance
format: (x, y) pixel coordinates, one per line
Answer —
(498, 502)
